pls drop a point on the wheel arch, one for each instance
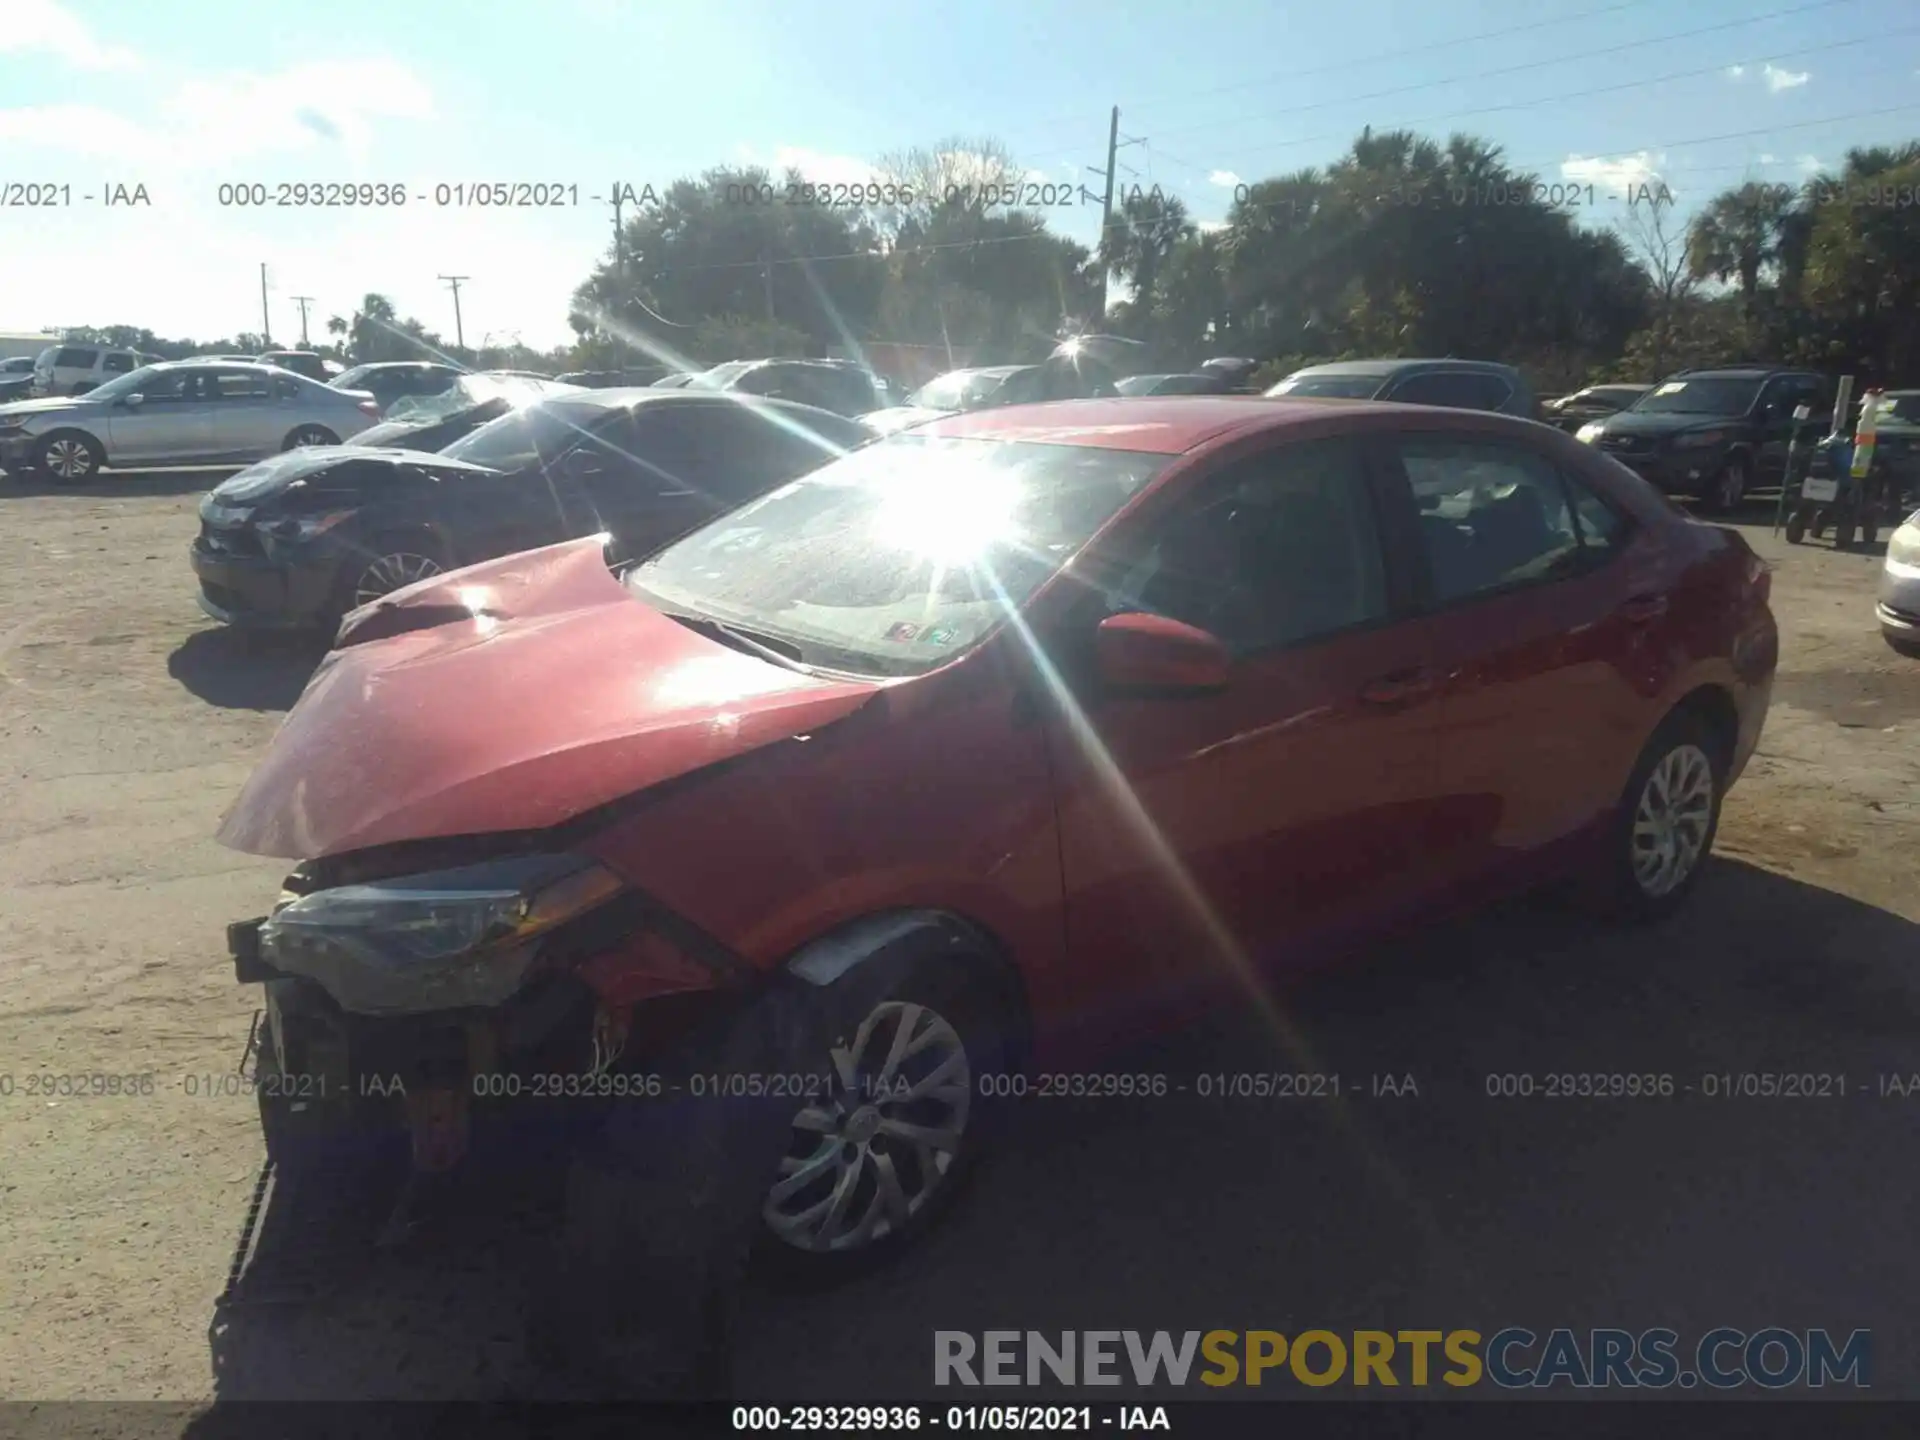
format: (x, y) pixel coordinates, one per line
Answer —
(1715, 706)
(826, 958)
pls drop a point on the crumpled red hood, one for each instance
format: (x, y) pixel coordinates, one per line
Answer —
(538, 689)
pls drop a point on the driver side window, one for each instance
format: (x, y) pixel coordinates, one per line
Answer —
(1279, 550)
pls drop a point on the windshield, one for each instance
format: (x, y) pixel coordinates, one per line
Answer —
(131, 383)
(1699, 397)
(901, 556)
(1330, 387)
(1903, 408)
(542, 433)
(957, 390)
(469, 392)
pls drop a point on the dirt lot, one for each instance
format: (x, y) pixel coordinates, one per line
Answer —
(127, 722)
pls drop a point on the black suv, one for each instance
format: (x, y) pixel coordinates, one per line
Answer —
(1715, 434)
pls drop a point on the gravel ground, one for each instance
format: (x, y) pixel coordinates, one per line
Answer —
(127, 722)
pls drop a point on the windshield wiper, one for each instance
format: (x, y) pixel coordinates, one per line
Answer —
(778, 652)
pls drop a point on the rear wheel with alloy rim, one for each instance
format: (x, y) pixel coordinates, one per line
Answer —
(69, 456)
(1664, 827)
(310, 435)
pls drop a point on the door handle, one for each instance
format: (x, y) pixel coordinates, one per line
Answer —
(1642, 609)
(1398, 688)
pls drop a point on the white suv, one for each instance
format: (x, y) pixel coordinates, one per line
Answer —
(76, 369)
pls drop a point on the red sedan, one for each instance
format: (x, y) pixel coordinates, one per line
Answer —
(979, 747)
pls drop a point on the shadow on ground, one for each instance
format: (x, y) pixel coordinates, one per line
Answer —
(118, 484)
(1444, 1205)
(243, 671)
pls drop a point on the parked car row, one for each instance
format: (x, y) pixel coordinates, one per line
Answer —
(76, 369)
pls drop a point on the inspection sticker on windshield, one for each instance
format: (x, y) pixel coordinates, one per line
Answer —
(938, 635)
(902, 631)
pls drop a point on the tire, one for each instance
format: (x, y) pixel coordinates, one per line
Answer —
(1631, 884)
(389, 563)
(306, 435)
(1843, 533)
(1797, 525)
(954, 1010)
(1729, 488)
(666, 1206)
(69, 457)
(1901, 646)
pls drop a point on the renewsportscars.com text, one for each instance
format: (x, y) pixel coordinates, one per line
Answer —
(1772, 1358)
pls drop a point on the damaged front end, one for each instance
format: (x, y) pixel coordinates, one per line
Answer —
(433, 990)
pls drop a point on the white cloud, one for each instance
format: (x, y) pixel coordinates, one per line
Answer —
(1778, 79)
(1614, 172)
(1224, 178)
(1767, 158)
(1209, 227)
(44, 27)
(1811, 164)
(1736, 72)
(815, 165)
(82, 130)
(308, 106)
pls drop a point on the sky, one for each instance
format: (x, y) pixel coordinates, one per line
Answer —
(185, 97)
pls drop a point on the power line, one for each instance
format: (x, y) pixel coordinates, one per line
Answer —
(1501, 34)
(1541, 65)
(1552, 100)
(1584, 56)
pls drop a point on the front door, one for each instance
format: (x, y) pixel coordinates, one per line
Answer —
(169, 425)
(1203, 835)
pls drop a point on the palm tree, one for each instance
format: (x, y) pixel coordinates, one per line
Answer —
(1148, 229)
(1738, 236)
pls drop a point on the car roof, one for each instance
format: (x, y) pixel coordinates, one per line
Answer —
(1395, 367)
(1742, 372)
(632, 397)
(1172, 424)
(222, 361)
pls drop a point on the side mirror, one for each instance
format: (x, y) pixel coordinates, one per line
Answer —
(133, 401)
(1137, 651)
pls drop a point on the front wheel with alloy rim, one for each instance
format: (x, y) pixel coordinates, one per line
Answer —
(394, 569)
(69, 456)
(1730, 486)
(876, 1158)
(1664, 827)
(310, 435)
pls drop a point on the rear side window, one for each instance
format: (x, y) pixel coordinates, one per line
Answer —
(1602, 528)
(118, 363)
(285, 389)
(76, 358)
(1491, 516)
(1455, 389)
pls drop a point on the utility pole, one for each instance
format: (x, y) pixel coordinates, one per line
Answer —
(619, 239)
(1106, 204)
(766, 280)
(303, 301)
(266, 320)
(459, 332)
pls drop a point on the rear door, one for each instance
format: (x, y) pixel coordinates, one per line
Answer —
(245, 421)
(1454, 389)
(1204, 834)
(1534, 608)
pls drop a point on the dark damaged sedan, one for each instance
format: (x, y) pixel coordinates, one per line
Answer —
(433, 422)
(297, 541)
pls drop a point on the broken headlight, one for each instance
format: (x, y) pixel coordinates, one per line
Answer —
(445, 940)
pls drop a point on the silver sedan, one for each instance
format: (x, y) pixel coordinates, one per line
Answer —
(184, 412)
